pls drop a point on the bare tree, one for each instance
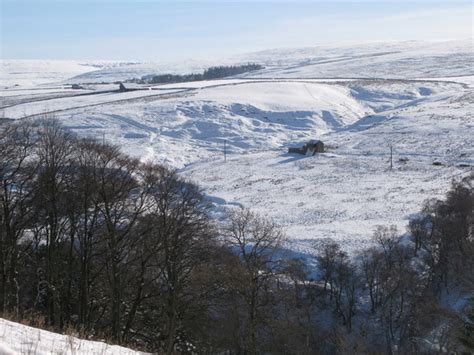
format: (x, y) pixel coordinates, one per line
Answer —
(256, 240)
(55, 146)
(328, 254)
(122, 200)
(86, 224)
(344, 283)
(179, 238)
(371, 267)
(17, 170)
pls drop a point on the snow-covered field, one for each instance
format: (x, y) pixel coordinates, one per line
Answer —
(420, 101)
(29, 73)
(345, 193)
(397, 59)
(406, 59)
(73, 101)
(18, 339)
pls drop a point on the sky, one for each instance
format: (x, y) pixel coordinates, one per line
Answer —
(170, 30)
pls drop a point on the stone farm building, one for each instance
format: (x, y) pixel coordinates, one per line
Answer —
(310, 148)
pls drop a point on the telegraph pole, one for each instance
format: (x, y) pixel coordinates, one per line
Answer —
(391, 155)
(225, 150)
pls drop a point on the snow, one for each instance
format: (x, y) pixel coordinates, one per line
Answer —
(126, 71)
(29, 73)
(398, 59)
(466, 79)
(186, 126)
(74, 100)
(309, 93)
(345, 193)
(16, 339)
(338, 196)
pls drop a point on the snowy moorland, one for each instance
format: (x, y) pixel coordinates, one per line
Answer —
(345, 193)
(407, 59)
(415, 97)
(29, 73)
(396, 120)
(397, 59)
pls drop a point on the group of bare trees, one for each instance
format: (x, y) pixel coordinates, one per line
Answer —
(93, 239)
(117, 249)
(412, 294)
(90, 237)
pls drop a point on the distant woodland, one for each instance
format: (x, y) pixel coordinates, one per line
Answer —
(208, 74)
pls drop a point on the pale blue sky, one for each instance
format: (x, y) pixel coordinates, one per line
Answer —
(172, 30)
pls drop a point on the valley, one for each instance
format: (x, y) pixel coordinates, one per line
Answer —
(342, 96)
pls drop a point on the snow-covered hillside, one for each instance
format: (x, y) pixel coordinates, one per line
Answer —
(406, 59)
(138, 70)
(397, 59)
(344, 193)
(18, 339)
(190, 125)
(27, 73)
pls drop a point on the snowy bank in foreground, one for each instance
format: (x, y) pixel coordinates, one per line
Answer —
(20, 339)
